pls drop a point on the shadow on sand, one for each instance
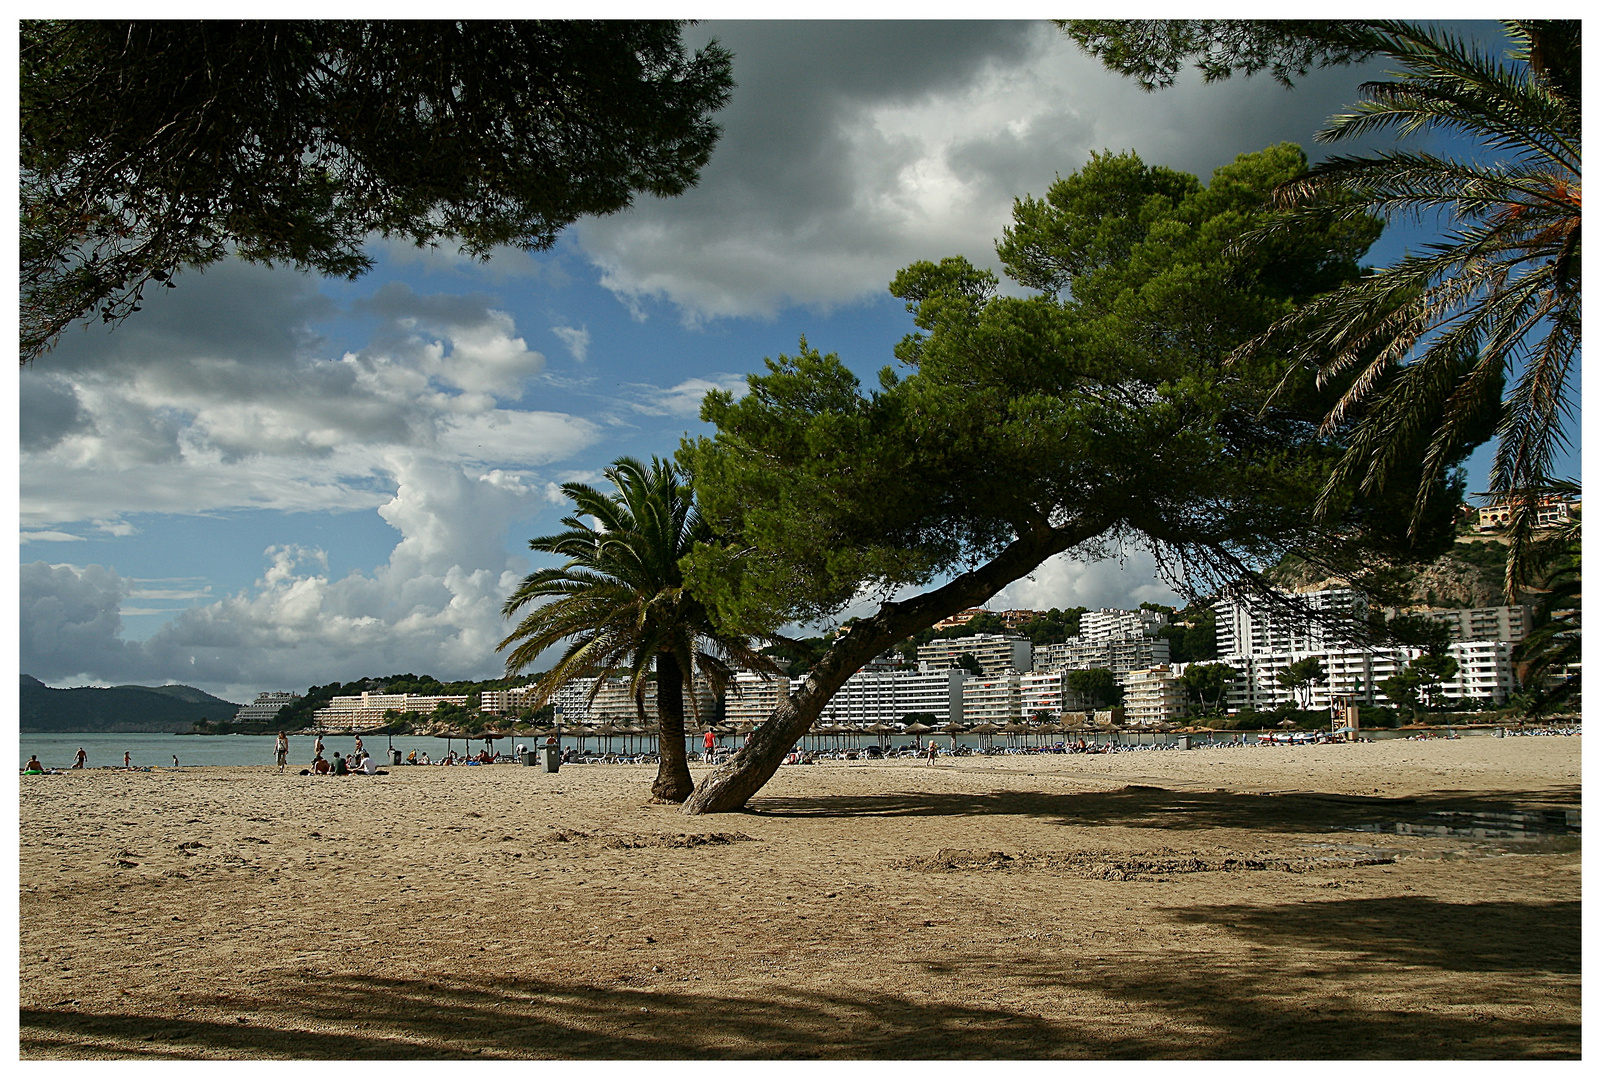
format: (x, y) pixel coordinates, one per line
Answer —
(1384, 980)
(1161, 808)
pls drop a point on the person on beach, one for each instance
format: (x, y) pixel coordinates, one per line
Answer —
(33, 765)
(341, 766)
(711, 742)
(359, 750)
(317, 748)
(933, 751)
(81, 760)
(283, 751)
(175, 761)
(319, 765)
(127, 760)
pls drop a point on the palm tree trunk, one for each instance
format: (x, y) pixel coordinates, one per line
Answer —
(673, 782)
(729, 787)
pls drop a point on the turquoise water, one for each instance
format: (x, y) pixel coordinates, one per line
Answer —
(57, 749)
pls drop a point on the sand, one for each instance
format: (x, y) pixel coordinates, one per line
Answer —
(1200, 904)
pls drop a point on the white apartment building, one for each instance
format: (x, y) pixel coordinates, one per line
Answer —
(1246, 627)
(883, 697)
(364, 711)
(751, 698)
(1484, 624)
(994, 652)
(266, 706)
(1108, 623)
(1484, 673)
(1120, 655)
(992, 699)
(1154, 695)
(1048, 692)
(506, 702)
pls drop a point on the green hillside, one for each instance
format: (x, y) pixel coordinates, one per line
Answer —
(117, 708)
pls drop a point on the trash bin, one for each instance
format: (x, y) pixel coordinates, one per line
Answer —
(551, 758)
(1184, 742)
(527, 757)
(394, 756)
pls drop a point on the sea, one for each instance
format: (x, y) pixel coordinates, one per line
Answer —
(58, 749)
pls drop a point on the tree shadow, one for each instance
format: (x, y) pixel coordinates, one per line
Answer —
(1187, 1006)
(1487, 936)
(1145, 807)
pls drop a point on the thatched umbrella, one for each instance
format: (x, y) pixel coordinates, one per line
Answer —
(881, 730)
(984, 731)
(917, 731)
(607, 731)
(1014, 729)
(632, 731)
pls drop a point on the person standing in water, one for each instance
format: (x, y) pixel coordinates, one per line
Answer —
(127, 760)
(81, 760)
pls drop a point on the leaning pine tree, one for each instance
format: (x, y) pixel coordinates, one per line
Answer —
(1100, 414)
(620, 604)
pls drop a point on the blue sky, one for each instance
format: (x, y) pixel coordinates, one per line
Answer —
(267, 480)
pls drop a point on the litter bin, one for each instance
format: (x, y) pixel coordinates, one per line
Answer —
(551, 759)
(1184, 742)
(527, 757)
(394, 756)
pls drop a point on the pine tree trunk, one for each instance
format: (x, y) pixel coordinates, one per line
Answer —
(730, 786)
(673, 782)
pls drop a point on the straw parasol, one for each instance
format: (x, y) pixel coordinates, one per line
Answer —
(917, 731)
(984, 731)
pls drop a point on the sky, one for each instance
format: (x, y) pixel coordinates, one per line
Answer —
(268, 480)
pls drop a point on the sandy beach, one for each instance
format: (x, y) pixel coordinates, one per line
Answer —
(1215, 903)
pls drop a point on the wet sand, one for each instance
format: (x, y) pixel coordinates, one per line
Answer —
(1199, 904)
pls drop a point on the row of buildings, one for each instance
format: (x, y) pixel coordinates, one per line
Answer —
(1017, 680)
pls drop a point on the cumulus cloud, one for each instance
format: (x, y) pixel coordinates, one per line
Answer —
(434, 605)
(854, 148)
(1063, 581)
(172, 415)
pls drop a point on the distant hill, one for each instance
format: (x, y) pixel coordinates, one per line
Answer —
(118, 708)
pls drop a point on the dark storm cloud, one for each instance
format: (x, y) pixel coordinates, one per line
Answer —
(853, 148)
(48, 411)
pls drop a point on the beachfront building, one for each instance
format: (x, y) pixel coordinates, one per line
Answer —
(507, 702)
(1154, 695)
(1484, 674)
(1120, 655)
(1248, 627)
(1509, 623)
(751, 698)
(366, 711)
(883, 697)
(1049, 692)
(1107, 624)
(993, 699)
(265, 708)
(995, 653)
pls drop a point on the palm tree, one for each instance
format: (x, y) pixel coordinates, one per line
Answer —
(620, 603)
(1548, 656)
(1426, 346)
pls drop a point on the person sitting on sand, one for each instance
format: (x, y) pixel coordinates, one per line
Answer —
(33, 765)
(411, 758)
(367, 764)
(320, 766)
(341, 766)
